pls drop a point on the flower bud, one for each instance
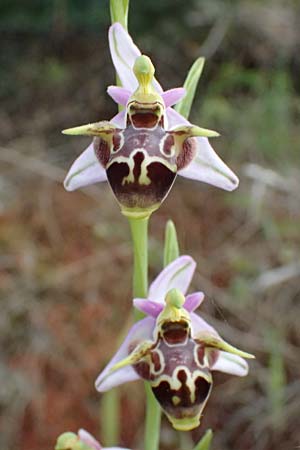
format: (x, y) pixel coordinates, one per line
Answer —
(70, 441)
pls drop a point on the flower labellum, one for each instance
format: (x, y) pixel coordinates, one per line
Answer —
(142, 160)
(175, 350)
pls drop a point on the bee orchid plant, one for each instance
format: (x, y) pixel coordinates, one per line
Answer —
(140, 152)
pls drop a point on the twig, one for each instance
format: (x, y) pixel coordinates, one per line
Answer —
(276, 276)
(271, 178)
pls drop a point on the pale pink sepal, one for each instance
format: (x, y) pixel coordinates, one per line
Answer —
(124, 53)
(209, 168)
(178, 274)
(88, 439)
(200, 326)
(141, 331)
(175, 119)
(193, 301)
(173, 96)
(119, 120)
(206, 166)
(85, 170)
(232, 364)
(119, 95)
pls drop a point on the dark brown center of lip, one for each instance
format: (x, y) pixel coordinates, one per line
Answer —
(175, 333)
(144, 119)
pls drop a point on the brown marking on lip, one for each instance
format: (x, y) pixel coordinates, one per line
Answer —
(155, 358)
(143, 370)
(187, 153)
(102, 151)
(116, 140)
(168, 144)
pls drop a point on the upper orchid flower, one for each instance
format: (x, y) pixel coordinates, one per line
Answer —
(81, 441)
(141, 150)
(174, 349)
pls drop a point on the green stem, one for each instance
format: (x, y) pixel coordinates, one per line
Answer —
(110, 405)
(153, 418)
(119, 13)
(110, 413)
(139, 231)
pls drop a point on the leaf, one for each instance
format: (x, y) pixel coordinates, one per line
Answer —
(190, 85)
(171, 248)
(204, 443)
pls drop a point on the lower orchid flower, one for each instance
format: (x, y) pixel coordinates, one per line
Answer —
(174, 349)
(141, 150)
(81, 441)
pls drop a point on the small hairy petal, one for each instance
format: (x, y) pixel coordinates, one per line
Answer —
(173, 96)
(142, 330)
(119, 95)
(85, 170)
(232, 364)
(178, 274)
(193, 301)
(148, 307)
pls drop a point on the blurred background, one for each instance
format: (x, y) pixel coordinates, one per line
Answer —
(66, 262)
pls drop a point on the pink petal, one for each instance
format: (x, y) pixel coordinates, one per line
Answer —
(119, 94)
(232, 364)
(119, 120)
(199, 326)
(192, 301)
(178, 274)
(209, 168)
(88, 439)
(173, 96)
(148, 307)
(124, 53)
(85, 170)
(142, 330)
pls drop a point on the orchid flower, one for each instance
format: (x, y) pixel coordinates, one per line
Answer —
(174, 349)
(81, 441)
(141, 150)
